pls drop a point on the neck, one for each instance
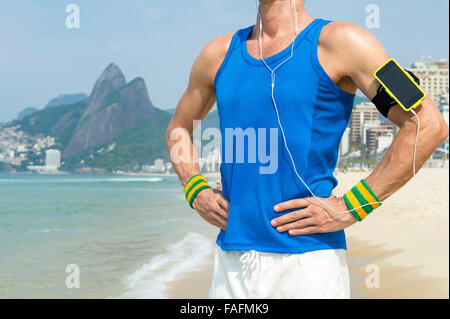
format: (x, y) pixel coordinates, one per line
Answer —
(278, 17)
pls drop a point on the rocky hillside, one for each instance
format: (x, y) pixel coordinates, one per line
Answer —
(114, 126)
(113, 107)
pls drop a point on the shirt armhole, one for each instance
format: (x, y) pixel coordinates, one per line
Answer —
(323, 75)
(225, 60)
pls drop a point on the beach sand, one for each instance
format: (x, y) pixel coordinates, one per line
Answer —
(405, 242)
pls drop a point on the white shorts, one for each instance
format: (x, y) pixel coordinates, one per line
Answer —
(253, 274)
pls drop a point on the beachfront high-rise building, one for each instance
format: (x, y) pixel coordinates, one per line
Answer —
(384, 141)
(344, 147)
(443, 100)
(380, 137)
(444, 105)
(434, 77)
(11, 156)
(365, 133)
(361, 114)
(52, 160)
(212, 161)
(158, 165)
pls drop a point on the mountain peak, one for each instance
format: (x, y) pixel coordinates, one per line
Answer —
(112, 67)
(113, 107)
(139, 82)
(111, 79)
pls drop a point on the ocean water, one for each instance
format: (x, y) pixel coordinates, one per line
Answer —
(129, 236)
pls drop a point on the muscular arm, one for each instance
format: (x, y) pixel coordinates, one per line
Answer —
(350, 55)
(361, 54)
(194, 105)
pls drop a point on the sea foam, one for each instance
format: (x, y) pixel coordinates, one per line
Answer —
(150, 281)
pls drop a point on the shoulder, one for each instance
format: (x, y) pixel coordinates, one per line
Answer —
(212, 55)
(218, 46)
(350, 54)
(343, 36)
(352, 49)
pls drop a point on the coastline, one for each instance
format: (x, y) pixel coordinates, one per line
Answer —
(406, 241)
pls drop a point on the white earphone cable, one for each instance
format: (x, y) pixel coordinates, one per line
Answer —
(273, 78)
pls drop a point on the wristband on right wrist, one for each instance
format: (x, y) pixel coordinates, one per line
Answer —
(194, 185)
(361, 195)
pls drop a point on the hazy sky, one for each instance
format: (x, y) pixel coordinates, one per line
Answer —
(158, 40)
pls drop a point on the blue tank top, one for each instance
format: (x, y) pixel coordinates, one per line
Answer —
(314, 113)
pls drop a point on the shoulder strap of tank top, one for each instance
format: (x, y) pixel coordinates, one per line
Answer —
(313, 34)
(314, 40)
(243, 34)
(236, 42)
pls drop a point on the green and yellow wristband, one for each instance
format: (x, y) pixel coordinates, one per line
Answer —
(194, 185)
(361, 195)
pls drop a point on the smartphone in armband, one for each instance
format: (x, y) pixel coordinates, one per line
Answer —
(400, 85)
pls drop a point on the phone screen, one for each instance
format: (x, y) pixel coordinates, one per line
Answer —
(400, 85)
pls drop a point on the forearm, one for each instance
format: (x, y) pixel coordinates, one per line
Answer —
(183, 154)
(209, 203)
(192, 108)
(396, 168)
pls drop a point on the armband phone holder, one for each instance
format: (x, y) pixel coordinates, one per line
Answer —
(401, 85)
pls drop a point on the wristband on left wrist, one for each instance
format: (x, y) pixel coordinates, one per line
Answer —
(361, 200)
(194, 185)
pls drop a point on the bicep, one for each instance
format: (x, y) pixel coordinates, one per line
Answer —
(372, 56)
(193, 106)
(365, 54)
(363, 65)
(198, 98)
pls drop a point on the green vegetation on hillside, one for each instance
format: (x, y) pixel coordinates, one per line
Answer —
(44, 121)
(66, 99)
(27, 111)
(139, 145)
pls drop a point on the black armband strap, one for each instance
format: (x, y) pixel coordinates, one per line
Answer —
(383, 101)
